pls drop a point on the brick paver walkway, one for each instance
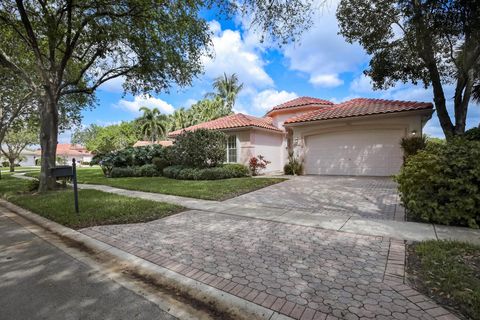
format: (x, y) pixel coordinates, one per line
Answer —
(305, 273)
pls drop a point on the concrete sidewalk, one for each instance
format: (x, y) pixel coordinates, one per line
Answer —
(399, 230)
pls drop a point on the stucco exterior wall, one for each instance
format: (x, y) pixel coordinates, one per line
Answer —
(245, 148)
(271, 146)
(251, 142)
(278, 119)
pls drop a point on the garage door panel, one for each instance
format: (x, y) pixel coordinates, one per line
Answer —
(367, 152)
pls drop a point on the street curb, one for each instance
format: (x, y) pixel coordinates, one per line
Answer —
(236, 307)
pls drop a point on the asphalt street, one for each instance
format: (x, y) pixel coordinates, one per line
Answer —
(39, 281)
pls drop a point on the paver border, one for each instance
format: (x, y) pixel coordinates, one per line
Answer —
(396, 276)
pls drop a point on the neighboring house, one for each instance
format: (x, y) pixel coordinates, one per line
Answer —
(164, 143)
(67, 152)
(357, 137)
(27, 158)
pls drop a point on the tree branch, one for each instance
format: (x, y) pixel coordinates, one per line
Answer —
(104, 78)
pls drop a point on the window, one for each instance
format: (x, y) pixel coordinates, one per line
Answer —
(232, 149)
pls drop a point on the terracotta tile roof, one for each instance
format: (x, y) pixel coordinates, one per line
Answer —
(164, 143)
(300, 102)
(360, 107)
(238, 120)
(67, 149)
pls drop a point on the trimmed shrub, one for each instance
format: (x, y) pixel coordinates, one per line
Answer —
(172, 171)
(441, 184)
(148, 170)
(199, 149)
(119, 172)
(472, 134)
(222, 172)
(237, 170)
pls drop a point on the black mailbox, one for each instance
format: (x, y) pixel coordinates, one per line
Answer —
(62, 171)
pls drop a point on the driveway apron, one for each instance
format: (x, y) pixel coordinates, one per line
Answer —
(301, 272)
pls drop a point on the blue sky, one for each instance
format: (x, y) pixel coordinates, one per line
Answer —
(322, 64)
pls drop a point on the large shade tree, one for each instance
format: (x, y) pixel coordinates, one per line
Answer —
(436, 43)
(66, 47)
(20, 135)
(102, 140)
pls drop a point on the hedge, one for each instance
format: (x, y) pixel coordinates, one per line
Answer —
(441, 184)
(147, 170)
(220, 172)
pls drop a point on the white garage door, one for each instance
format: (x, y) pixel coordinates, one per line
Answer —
(365, 152)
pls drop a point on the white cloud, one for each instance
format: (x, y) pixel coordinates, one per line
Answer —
(115, 85)
(233, 55)
(361, 84)
(145, 101)
(322, 51)
(326, 80)
(267, 99)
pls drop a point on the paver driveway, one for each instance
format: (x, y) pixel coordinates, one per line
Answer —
(298, 271)
(366, 197)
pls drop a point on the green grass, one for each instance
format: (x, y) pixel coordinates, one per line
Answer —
(449, 272)
(96, 208)
(205, 189)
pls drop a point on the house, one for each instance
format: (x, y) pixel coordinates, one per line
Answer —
(27, 158)
(163, 143)
(67, 152)
(357, 137)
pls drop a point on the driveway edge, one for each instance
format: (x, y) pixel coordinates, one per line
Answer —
(224, 302)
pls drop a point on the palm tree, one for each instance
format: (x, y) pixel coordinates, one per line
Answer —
(227, 88)
(181, 119)
(153, 123)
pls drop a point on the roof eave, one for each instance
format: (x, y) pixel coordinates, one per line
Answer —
(428, 112)
(236, 129)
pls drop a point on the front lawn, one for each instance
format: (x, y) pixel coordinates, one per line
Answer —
(200, 189)
(449, 272)
(96, 207)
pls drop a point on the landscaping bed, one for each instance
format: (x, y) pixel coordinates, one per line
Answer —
(449, 273)
(96, 207)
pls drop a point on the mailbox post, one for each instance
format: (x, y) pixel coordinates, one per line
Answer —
(68, 172)
(74, 180)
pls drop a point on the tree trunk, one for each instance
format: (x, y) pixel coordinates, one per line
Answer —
(12, 165)
(48, 143)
